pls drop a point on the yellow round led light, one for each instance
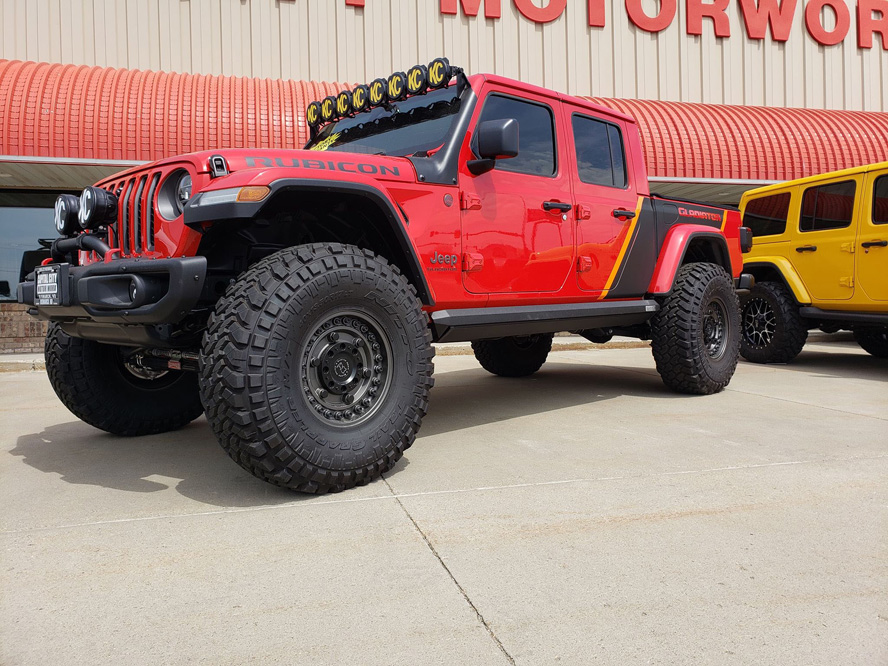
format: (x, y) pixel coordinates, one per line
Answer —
(378, 92)
(343, 103)
(313, 114)
(397, 86)
(328, 109)
(417, 79)
(439, 73)
(360, 98)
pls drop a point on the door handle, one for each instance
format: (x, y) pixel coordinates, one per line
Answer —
(881, 243)
(807, 248)
(628, 214)
(557, 205)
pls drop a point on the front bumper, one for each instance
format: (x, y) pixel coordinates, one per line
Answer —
(123, 291)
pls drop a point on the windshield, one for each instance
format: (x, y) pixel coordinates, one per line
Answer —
(414, 126)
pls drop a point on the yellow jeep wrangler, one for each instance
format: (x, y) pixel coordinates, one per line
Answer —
(820, 260)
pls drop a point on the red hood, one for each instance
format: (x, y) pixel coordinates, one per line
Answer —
(379, 167)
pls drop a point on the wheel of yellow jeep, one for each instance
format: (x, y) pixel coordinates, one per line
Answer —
(873, 340)
(773, 329)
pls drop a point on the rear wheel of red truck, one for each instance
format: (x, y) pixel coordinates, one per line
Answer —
(106, 387)
(515, 356)
(316, 368)
(695, 336)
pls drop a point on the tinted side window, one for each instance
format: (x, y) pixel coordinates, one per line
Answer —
(616, 145)
(828, 206)
(766, 216)
(599, 149)
(536, 134)
(880, 201)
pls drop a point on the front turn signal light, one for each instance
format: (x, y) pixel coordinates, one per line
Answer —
(252, 193)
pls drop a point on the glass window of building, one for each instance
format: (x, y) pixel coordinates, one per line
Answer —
(26, 231)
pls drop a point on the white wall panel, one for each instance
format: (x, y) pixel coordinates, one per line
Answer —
(326, 40)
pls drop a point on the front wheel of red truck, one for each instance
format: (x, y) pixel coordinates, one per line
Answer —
(316, 368)
(107, 387)
(695, 336)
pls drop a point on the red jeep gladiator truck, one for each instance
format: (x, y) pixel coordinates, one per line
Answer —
(293, 295)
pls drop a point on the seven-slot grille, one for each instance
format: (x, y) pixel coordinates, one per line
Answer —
(136, 216)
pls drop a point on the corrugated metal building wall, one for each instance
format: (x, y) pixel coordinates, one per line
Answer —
(326, 40)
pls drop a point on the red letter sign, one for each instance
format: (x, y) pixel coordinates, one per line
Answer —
(550, 12)
(867, 24)
(470, 7)
(714, 10)
(596, 13)
(652, 24)
(768, 11)
(815, 26)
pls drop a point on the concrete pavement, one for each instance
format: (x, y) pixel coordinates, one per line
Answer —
(584, 515)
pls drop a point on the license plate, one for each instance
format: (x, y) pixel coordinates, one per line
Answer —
(49, 284)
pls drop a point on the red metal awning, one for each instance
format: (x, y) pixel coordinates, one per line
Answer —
(54, 114)
(752, 143)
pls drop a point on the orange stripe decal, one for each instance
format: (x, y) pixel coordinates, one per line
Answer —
(625, 248)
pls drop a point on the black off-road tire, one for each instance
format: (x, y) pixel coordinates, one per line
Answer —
(517, 356)
(289, 324)
(873, 340)
(92, 380)
(695, 337)
(773, 331)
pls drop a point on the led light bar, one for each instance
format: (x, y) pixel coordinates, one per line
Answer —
(416, 81)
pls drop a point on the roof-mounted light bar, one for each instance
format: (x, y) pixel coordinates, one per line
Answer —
(416, 81)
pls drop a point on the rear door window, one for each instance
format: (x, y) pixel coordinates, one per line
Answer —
(880, 200)
(600, 156)
(828, 206)
(767, 216)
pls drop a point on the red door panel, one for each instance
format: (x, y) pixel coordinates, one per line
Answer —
(522, 247)
(602, 185)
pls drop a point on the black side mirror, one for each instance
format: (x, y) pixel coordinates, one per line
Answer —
(497, 140)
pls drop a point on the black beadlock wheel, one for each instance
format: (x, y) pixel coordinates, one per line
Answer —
(101, 386)
(873, 340)
(516, 356)
(773, 329)
(316, 368)
(695, 337)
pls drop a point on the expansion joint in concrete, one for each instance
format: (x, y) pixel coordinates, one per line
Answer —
(459, 587)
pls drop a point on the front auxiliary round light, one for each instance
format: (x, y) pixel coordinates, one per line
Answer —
(67, 214)
(98, 208)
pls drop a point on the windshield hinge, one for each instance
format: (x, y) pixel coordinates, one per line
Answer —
(469, 201)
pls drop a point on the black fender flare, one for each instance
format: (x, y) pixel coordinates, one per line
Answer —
(397, 220)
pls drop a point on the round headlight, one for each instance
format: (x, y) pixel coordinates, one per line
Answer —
(183, 191)
(98, 207)
(67, 214)
(174, 194)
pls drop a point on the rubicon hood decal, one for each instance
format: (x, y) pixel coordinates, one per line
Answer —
(387, 168)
